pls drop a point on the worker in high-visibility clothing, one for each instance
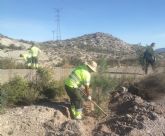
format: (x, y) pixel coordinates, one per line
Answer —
(35, 51)
(149, 58)
(28, 58)
(81, 75)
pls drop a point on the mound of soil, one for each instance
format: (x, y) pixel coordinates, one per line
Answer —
(70, 127)
(25, 120)
(130, 115)
(43, 120)
(151, 88)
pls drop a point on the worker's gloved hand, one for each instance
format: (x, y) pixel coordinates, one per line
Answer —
(89, 98)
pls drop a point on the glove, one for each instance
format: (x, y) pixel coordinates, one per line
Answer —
(89, 98)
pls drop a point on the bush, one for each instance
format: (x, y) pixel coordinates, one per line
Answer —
(54, 90)
(3, 99)
(14, 47)
(20, 91)
(102, 86)
(7, 63)
(31, 96)
(44, 76)
(17, 91)
(102, 64)
(75, 61)
(2, 46)
(47, 86)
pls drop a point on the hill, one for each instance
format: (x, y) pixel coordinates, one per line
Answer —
(160, 50)
(7, 42)
(97, 45)
(12, 48)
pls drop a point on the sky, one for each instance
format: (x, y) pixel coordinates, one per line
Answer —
(133, 21)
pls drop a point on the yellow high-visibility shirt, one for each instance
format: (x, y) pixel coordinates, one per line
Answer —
(79, 76)
(35, 51)
(26, 56)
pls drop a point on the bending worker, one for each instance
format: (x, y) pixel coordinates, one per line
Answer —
(81, 75)
(35, 51)
(149, 57)
(27, 57)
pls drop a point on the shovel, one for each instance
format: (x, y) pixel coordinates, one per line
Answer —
(94, 103)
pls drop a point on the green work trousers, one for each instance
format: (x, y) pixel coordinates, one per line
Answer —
(75, 97)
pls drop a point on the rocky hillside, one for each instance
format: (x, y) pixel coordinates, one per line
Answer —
(160, 50)
(7, 42)
(88, 46)
(12, 48)
(75, 50)
(95, 46)
(96, 42)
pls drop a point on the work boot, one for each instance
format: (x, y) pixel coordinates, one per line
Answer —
(73, 111)
(29, 64)
(36, 66)
(78, 114)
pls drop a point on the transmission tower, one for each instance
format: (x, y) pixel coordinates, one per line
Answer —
(53, 35)
(57, 21)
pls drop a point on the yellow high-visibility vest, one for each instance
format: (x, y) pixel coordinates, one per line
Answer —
(35, 51)
(79, 76)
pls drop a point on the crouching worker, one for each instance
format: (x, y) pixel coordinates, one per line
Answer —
(28, 59)
(81, 75)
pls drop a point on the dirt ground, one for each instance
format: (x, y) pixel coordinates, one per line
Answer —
(130, 113)
(43, 120)
(140, 111)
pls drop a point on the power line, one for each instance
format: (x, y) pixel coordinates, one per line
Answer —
(58, 29)
(53, 34)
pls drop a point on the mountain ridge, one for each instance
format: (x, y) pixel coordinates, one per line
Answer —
(160, 50)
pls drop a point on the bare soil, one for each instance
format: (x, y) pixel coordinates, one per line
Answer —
(130, 113)
(47, 119)
(139, 112)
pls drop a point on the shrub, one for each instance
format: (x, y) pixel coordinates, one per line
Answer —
(14, 47)
(61, 90)
(102, 64)
(47, 86)
(3, 99)
(17, 91)
(31, 96)
(75, 61)
(54, 90)
(44, 76)
(2, 46)
(102, 86)
(20, 91)
(7, 63)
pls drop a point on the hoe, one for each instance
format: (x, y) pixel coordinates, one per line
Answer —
(94, 103)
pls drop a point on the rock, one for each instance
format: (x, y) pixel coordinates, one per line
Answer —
(104, 129)
(152, 115)
(128, 116)
(139, 100)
